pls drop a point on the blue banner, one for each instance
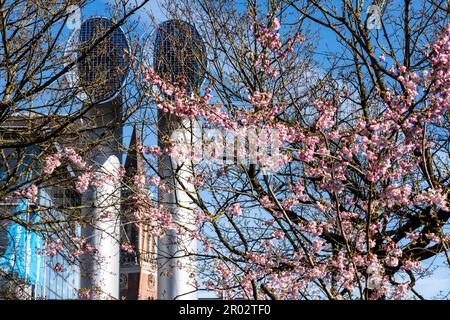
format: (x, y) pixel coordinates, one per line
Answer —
(35, 263)
(14, 258)
(21, 256)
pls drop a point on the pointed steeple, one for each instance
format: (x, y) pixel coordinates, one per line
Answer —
(137, 269)
(134, 163)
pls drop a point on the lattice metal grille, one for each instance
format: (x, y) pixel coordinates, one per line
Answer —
(104, 69)
(179, 53)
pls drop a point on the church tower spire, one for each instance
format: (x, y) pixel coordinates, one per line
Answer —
(137, 269)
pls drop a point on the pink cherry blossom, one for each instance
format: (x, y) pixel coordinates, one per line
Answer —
(276, 24)
(236, 210)
(127, 247)
(139, 181)
(51, 163)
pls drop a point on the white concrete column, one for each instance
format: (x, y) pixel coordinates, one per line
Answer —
(102, 270)
(177, 253)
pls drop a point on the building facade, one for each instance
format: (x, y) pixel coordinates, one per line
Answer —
(137, 268)
(27, 272)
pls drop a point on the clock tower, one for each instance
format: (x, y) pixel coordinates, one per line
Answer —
(138, 274)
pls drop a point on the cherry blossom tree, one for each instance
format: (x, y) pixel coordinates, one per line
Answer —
(322, 171)
(46, 130)
(352, 199)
